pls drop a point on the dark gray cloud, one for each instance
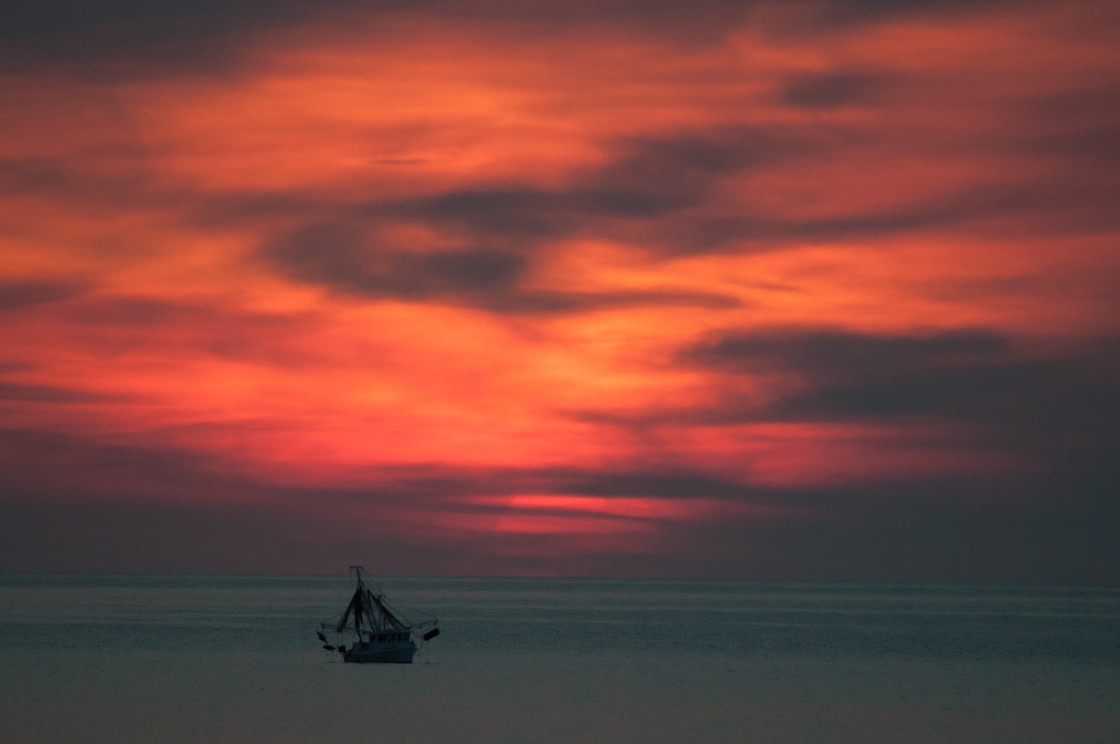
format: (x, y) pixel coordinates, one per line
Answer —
(51, 394)
(1067, 202)
(24, 293)
(350, 258)
(646, 194)
(137, 38)
(1047, 394)
(653, 177)
(69, 177)
(648, 179)
(853, 12)
(656, 192)
(972, 375)
(514, 212)
(842, 354)
(831, 89)
(145, 38)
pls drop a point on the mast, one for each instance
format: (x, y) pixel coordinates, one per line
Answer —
(359, 606)
(360, 602)
(381, 632)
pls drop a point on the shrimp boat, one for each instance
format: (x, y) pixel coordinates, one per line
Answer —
(369, 631)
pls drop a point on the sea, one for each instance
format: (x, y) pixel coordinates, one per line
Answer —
(170, 659)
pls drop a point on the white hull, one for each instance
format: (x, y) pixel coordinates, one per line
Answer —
(400, 652)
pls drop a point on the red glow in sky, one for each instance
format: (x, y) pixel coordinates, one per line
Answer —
(757, 290)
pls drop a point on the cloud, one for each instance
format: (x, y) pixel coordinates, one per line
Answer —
(644, 192)
(131, 39)
(354, 257)
(662, 192)
(18, 294)
(349, 258)
(12, 391)
(844, 354)
(646, 178)
(831, 89)
(969, 375)
(138, 39)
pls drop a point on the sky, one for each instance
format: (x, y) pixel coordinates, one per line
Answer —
(816, 291)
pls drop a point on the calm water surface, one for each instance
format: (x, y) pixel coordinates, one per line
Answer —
(235, 659)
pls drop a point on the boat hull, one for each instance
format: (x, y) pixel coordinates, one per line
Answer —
(380, 653)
